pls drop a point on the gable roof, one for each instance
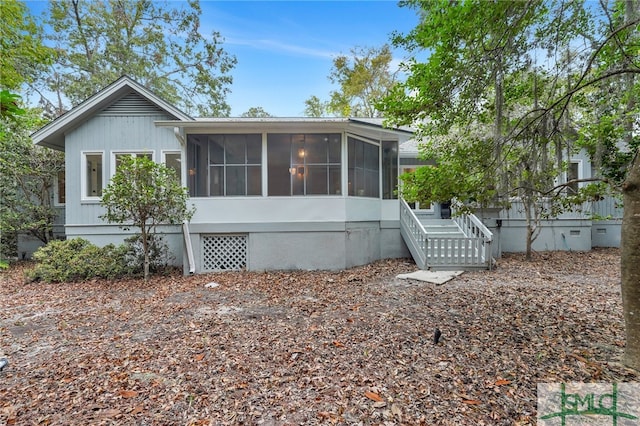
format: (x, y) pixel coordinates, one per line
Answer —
(53, 134)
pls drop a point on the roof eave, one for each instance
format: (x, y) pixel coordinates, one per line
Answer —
(52, 135)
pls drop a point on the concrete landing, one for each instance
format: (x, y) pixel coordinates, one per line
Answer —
(435, 277)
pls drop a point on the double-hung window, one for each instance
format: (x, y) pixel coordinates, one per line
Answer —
(116, 157)
(92, 175)
(173, 161)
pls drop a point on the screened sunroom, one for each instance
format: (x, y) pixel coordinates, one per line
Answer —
(295, 164)
(291, 193)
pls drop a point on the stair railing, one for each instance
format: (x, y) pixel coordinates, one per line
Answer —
(472, 227)
(415, 236)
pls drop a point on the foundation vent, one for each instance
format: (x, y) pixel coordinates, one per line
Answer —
(224, 252)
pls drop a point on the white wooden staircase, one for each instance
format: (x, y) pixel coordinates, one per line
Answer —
(461, 243)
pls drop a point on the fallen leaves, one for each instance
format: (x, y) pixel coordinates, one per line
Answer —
(349, 347)
(373, 396)
(128, 393)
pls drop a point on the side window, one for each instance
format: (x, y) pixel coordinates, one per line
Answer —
(573, 173)
(92, 177)
(172, 159)
(389, 170)
(59, 193)
(116, 157)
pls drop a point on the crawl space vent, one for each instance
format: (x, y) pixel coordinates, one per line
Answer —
(224, 252)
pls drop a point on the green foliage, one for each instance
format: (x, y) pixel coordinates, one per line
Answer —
(159, 255)
(510, 116)
(364, 77)
(314, 107)
(159, 44)
(10, 104)
(23, 53)
(257, 112)
(77, 260)
(145, 194)
(27, 174)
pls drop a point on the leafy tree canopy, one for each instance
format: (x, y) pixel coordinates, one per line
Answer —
(510, 91)
(23, 53)
(256, 112)
(158, 44)
(363, 77)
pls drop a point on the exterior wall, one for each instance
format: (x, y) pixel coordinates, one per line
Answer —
(570, 231)
(107, 134)
(326, 233)
(559, 234)
(101, 235)
(606, 233)
(112, 133)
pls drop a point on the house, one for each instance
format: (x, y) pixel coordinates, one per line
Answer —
(269, 193)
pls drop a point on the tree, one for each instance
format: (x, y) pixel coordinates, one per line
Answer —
(363, 77)
(158, 44)
(23, 53)
(145, 194)
(256, 112)
(26, 172)
(480, 55)
(27, 175)
(314, 107)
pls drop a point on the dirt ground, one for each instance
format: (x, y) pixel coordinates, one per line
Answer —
(354, 347)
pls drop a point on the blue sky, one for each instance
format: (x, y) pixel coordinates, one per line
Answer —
(285, 48)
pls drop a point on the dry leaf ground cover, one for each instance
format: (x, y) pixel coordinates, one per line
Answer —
(306, 348)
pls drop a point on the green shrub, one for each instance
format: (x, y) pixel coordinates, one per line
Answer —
(77, 260)
(159, 255)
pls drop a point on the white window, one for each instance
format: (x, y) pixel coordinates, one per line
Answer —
(92, 178)
(116, 157)
(173, 160)
(574, 172)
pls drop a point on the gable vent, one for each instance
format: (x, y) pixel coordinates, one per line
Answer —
(132, 104)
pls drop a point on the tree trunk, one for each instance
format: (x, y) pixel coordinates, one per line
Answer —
(630, 243)
(528, 213)
(630, 260)
(145, 249)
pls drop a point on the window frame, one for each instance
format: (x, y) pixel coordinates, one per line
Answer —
(163, 155)
(570, 189)
(131, 152)
(56, 189)
(224, 166)
(365, 171)
(84, 185)
(301, 163)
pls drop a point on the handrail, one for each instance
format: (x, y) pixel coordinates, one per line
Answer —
(435, 250)
(414, 233)
(465, 223)
(409, 210)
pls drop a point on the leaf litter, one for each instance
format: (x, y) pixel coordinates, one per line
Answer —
(353, 347)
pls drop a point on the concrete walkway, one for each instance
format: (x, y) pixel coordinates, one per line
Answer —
(435, 277)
